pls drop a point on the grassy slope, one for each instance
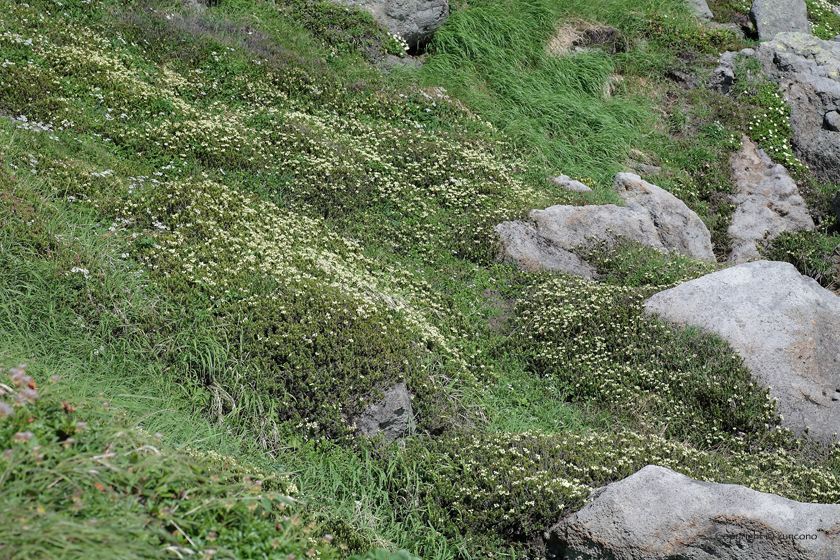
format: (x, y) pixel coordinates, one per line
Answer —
(237, 232)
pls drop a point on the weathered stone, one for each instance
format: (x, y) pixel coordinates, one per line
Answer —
(413, 20)
(572, 226)
(678, 227)
(832, 121)
(784, 325)
(767, 202)
(701, 9)
(390, 416)
(807, 70)
(658, 514)
(525, 247)
(779, 16)
(723, 77)
(652, 217)
(569, 184)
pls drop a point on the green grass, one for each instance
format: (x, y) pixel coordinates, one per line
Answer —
(238, 232)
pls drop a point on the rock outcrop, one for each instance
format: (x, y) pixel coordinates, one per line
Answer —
(413, 20)
(779, 16)
(807, 70)
(658, 514)
(784, 325)
(390, 416)
(652, 217)
(767, 202)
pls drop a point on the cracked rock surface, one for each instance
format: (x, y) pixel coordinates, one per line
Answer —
(767, 201)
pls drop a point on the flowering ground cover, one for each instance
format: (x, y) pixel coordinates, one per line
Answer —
(226, 227)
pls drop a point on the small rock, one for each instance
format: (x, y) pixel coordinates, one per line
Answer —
(779, 16)
(784, 325)
(390, 416)
(832, 121)
(569, 184)
(722, 79)
(658, 514)
(701, 9)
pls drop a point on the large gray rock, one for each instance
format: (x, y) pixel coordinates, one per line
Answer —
(524, 246)
(779, 16)
(413, 20)
(701, 9)
(807, 70)
(784, 325)
(572, 226)
(390, 416)
(652, 217)
(658, 514)
(678, 227)
(767, 202)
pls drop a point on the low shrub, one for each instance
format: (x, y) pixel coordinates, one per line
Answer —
(811, 252)
(598, 342)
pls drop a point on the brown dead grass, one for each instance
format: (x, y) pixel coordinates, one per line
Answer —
(578, 33)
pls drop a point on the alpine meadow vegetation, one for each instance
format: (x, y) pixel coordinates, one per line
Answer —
(226, 230)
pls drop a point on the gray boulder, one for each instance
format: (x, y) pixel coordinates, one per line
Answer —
(569, 184)
(658, 514)
(390, 416)
(701, 9)
(413, 20)
(652, 217)
(678, 227)
(779, 16)
(784, 325)
(572, 226)
(524, 246)
(767, 202)
(807, 70)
